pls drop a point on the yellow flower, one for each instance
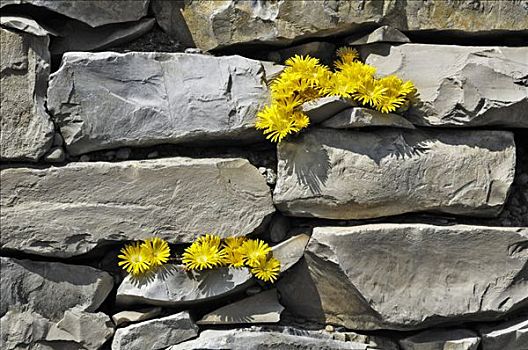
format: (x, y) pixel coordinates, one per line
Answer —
(300, 120)
(234, 242)
(302, 64)
(156, 250)
(233, 257)
(134, 259)
(389, 104)
(254, 250)
(204, 253)
(267, 269)
(346, 55)
(211, 240)
(275, 122)
(369, 92)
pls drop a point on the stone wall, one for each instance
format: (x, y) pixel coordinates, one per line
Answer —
(131, 119)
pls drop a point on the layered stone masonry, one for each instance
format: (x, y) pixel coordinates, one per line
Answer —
(347, 269)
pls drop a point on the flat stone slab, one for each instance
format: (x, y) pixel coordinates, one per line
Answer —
(93, 13)
(360, 117)
(260, 308)
(510, 335)
(457, 92)
(408, 276)
(256, 339)
(345, 174)
(172, 286)
(26, 132)
(155, 334)
(109, 100)
(323, 108)
(70, 210)
(50, 288)
(459, 339)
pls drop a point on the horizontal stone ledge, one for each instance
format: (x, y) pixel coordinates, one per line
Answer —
(70, 210)
(345, 174)
(172, 286)
(215, 24)
(459, 86)
(108, 100)
(408, 276)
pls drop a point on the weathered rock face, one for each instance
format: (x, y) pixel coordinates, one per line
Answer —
(339, 174)
(171, 286)
(84, 329)
(470, 86)
(94, 13)
(511, 335)
(459, 339)
(408, 276)
(69, 210)
(261, 308)
(50, 289)
(255, 339)
(215, 24)
(26, 131)
(108, 100)
(155, 334)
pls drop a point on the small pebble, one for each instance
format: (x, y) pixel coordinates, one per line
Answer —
(84, 158)
(329, 328)
(262, 170)
(271, 177)
(55, 155)
(123, 153)
(193, 50)
(154, 154)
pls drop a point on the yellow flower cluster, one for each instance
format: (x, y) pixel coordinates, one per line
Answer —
(140, 257)
(305, 79)
(210, 251)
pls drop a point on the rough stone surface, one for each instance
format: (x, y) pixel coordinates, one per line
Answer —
(155, 334)
(89, 330)
(325, 107)
(457, 339)
(26, 131)
(408, 276)
(344, 174)
(511, 335)
(109, 100)
(25, 330)
(256, 339)
(125, 317)
(50, 288)
(25, 24)
(260, 308)
(75, 36)
(458, 92)
(215, 24)
(383, 34)
(70, 210)
(359, 117)
(94, 13)
(172, 286)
